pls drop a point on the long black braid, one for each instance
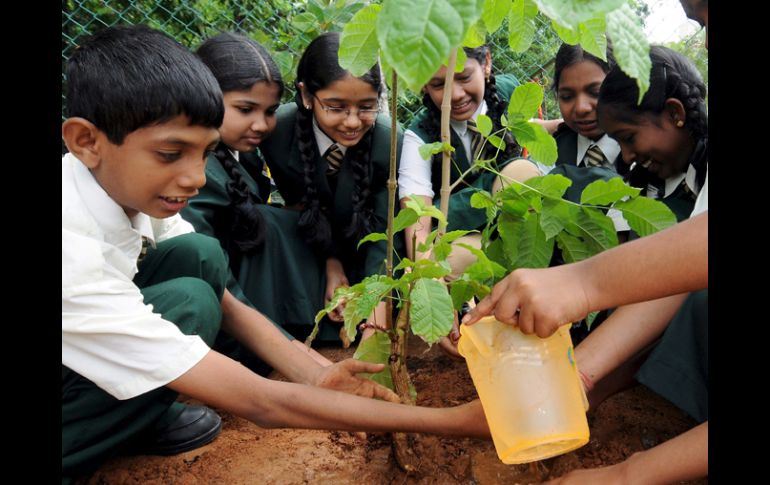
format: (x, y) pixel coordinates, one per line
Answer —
(672, 76)
(495, 108)
(319, 67)
(238, 63)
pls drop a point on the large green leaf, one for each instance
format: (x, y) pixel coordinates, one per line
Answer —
(430, 311)
(593, 38)
(630, 46)
(596, 229)
(484, 268)
(534, 250)
(551, 185)
(373, 237)
(604, 192)
(460, 291)
(358, 44)
(555, 215)
(525, 100)
(570, 13)
(474, 37)
(510, 229)
(484, 124)
(494, 12)
(646, 216)
(416, 36)
(572, 248)
(376, 349)
(568, 35)
(358, 308)
(521, 25)
(405, 218)
(535, 138)
(427, 268)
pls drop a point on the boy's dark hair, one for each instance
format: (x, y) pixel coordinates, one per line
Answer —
(127, 77)
(572, 54)
(318, 68)
(495, 108)
(238, 63)
(672, 76)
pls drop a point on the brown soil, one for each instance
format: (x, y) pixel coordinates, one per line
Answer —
(246, 454)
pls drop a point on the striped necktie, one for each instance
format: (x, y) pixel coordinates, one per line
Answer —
(594, 157)
(476, 141)
(333, 157)
(688, 190)
(143, 251)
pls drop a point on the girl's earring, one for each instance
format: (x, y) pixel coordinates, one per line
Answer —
(679, 123)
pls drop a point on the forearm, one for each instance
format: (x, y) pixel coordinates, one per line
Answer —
(221, 382)
(253, 330)
(682, 458)
(625, 333)
(669, 262)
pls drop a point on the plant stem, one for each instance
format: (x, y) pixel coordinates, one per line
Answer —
(446, 109)
(391, 193)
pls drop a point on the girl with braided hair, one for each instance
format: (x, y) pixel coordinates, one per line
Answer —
(665, 137)
(258, 238)
(330, 157)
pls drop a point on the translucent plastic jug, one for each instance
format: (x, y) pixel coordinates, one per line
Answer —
(529, 388)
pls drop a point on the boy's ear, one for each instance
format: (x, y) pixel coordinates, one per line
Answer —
(82, 140)
(676, 112)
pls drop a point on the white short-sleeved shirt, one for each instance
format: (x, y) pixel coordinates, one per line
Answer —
(109, 335)
(414, 172)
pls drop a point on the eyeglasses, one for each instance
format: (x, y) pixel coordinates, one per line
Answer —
(342, 112)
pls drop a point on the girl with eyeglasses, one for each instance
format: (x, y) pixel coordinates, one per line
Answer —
(330, 157)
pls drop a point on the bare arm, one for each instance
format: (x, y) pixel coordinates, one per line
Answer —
(626, 332)
(670, 262)
(223, 383)
(549, 125)
(682, 458)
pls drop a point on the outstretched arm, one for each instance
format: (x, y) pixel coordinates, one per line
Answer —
(670, 262)
(223, 383)
(682, 458)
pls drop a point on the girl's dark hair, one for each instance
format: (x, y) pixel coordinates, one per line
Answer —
(572, 54)
(238, 63)
(495, 108)
(672, 76)
(128, 77)
(318, 68)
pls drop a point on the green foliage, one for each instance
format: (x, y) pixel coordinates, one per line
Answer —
(630, 46)
(570, 13)
(521, 25)
(376, 349)
(430, 311)
(358, 43)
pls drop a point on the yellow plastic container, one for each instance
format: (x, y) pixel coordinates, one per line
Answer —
(529, 388)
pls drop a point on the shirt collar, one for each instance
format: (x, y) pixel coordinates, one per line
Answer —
(609, 147)
(118, 228)
(461, 127)
(323, 140)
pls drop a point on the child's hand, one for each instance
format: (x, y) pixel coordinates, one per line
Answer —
(335, 277)
(449, 343)
(342, 376)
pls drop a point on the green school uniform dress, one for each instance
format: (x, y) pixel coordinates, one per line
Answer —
(271, 278)
(461, 215)
(281, 151)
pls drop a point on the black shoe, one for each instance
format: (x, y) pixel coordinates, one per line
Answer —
(194, 427)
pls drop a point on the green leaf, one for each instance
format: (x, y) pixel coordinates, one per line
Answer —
(496, 141)
(404, 263)
(430, 311)
(534, 251)
(596, 229)
(460, 60)
(605, 192)
(482, 199)
(429, 149)
(570, 13)
(551, 185)
(553, 216)
(358, 44)
(630, 46)
(525, 100)
(418, 205)
(475, 37)
(484, 268)
(376, 349)
(405, 218)
(373, 237)
(521, 25)
(568, 35)
(494, 12)
(541, 145)
(416, 36)
(460, 291)
(369, 293)
(452, 236)
(343, 292)
(426, 268)
(593, 38)
(646, 216)
(484, 124)
(590, 319)
(572, 248)
(441, 251)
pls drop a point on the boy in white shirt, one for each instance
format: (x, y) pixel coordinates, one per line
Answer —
(143, 296)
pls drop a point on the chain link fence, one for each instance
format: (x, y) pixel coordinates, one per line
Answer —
(284, 27)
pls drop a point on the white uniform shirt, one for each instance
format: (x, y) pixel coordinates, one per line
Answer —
(109, 335)
(702, 202)
(414, 172)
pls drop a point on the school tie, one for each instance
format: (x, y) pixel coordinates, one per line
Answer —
(143, 251)
(594, 157)
(688, 190)
(476, 141)
(333, 157)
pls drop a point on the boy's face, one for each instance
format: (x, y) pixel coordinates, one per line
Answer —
(157, 168)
